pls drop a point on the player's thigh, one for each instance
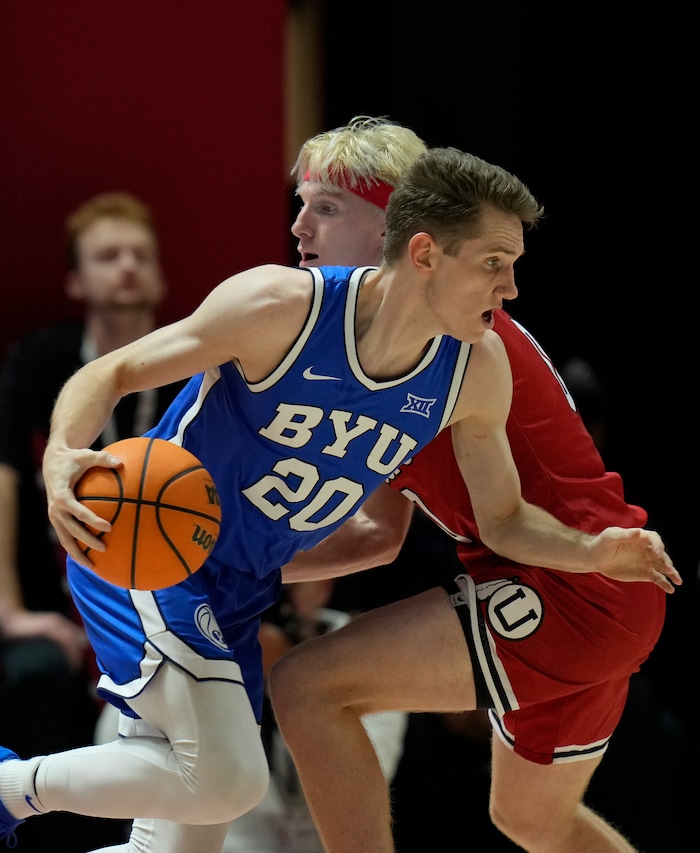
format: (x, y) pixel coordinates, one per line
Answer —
(208, 723)
(408, 655)
(523, 791)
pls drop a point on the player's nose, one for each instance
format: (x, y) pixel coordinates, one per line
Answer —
(301, 227)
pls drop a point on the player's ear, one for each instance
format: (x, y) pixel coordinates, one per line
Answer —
(421, 249)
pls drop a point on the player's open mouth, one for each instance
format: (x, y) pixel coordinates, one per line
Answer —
(307, 257)
(488, 316)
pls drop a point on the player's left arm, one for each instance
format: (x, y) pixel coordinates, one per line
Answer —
(511, 526)
(252, 317)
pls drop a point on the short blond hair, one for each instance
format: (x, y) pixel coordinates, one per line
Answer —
(368, 150)
(114, 205)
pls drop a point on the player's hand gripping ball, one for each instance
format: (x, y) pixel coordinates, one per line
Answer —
(164, 510)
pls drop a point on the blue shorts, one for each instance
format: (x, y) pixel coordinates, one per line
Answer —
(207, 625)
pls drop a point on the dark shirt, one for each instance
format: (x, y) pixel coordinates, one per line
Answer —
(32, 374)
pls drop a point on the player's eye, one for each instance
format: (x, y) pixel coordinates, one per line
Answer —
(325, 209)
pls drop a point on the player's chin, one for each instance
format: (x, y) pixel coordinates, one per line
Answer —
(477, 330)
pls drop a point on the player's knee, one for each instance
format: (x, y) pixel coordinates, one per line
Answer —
(233, 787)
(512, 826)
(289, 692)
(522, 826)
(246, 791)
(298, 697)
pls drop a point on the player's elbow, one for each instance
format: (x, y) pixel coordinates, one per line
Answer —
(387, 546)
(497, 537)
(501, 530)
(377, 544)
(387, 517)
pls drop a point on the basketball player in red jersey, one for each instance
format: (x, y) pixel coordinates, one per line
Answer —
(549, 654)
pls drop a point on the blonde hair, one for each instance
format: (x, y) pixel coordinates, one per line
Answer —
(114, 205)
(365, 151)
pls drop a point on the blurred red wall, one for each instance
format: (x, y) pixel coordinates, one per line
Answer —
(179, 102)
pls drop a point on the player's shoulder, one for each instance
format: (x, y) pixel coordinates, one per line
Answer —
(276, 280)
(487, 381)
(262, 308)
(490, 347)
(267, 273)
(489, 364)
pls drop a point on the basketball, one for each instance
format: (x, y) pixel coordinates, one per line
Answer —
(164, 510)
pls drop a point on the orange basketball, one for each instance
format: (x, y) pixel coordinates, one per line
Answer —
(164, 510)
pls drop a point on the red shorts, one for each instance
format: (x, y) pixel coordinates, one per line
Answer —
(553, 654)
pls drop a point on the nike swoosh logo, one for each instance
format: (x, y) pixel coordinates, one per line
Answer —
(30, 802)
(308, 374)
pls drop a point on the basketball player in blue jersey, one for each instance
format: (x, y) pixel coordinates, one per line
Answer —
(309, 388)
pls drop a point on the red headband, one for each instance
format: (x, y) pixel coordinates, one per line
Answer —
(376, 192)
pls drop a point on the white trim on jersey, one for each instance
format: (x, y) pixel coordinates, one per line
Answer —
(162, 645)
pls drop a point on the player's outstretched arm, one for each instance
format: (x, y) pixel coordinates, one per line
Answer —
(519, 530)
(514, 528)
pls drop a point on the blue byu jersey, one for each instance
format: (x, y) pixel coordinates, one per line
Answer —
(292, 456)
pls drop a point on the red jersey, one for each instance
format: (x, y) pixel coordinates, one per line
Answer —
(552, 651)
